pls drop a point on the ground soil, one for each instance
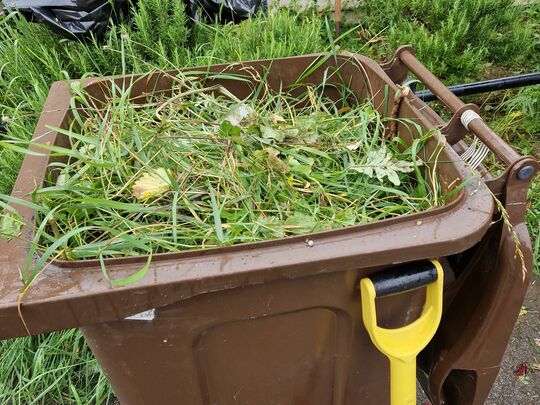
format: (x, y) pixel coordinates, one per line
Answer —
(522, 349)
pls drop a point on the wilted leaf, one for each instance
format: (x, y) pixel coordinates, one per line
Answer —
(308, 127)
(392, 176)
(354, 146)
(291, 133)
(151, 185)
(521, 370)
(276, 119)
(275, 162)
(271, 133)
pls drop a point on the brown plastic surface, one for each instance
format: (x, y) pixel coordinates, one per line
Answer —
(279, 321)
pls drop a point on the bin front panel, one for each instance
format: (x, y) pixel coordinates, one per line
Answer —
(292, 342)
(288, 357)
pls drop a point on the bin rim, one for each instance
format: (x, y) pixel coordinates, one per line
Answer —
(57, 298)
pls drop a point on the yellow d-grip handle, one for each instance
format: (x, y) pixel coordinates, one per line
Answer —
(402, 345)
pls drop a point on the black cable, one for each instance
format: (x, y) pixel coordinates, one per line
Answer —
(485, 86)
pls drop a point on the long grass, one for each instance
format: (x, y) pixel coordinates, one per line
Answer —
(517, 119)
(260, 38)
(32, 57)
(58, 368)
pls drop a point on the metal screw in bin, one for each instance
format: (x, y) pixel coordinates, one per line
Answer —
(525, 173)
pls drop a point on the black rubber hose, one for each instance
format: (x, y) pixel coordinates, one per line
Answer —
(485, 86)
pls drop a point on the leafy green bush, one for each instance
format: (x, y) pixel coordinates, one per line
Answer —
(160, 31)
(454, 38)
(277, 34)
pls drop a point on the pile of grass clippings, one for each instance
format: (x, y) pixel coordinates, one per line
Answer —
(204, 169)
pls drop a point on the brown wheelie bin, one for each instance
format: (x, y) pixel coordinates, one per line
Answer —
(279, 322)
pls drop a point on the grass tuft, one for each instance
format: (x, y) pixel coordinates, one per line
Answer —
(57, 368)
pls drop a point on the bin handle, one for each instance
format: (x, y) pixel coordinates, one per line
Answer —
(471, 121)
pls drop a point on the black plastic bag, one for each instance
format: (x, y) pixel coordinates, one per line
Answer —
(224, 10)
(70, 18)
(82, 18)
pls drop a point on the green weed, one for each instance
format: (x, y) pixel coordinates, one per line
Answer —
(517, 120)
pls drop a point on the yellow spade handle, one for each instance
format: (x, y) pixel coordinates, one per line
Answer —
(402, 345)
(402, 381)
